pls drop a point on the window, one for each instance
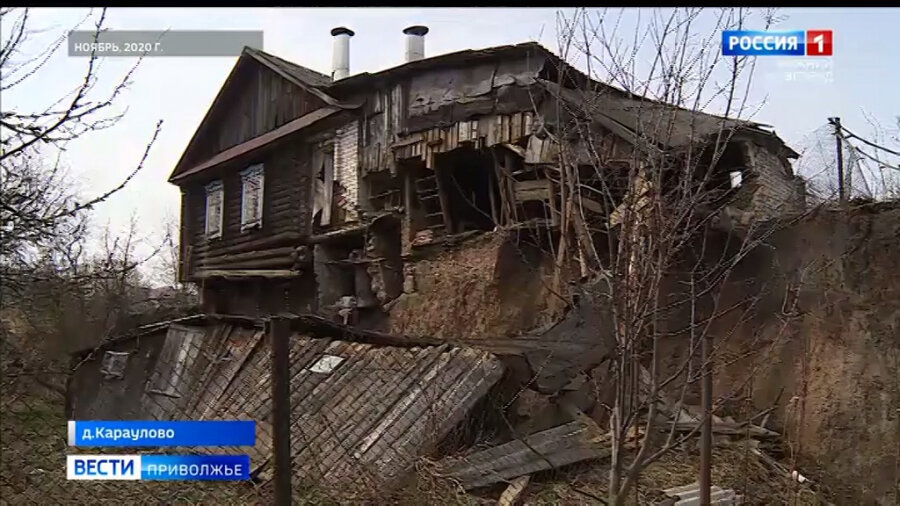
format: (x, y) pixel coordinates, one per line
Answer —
(736, 178)
(214, 202)
(251, 197)
(113, 364)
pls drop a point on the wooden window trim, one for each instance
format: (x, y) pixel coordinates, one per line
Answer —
(255, 170)
(212, 188)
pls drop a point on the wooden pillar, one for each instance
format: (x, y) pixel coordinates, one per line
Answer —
(279, 332)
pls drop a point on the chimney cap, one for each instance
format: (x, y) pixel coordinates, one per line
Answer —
(416, 30)
(342, 30)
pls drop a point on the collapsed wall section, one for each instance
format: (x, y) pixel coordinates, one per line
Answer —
(492, 285)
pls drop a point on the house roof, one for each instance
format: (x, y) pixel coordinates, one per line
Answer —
(389, 406)
(362, 401)
(633, 117)
(308, 76)
(305, 78)
(616, 108)
(467, 56)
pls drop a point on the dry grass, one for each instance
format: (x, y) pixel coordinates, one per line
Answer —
(734, 467)
(33, 447)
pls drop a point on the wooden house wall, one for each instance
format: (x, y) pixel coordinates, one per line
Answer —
(259, 102)
(287, 203)
(433, 111)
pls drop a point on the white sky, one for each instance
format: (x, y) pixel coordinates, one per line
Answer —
(179, 90)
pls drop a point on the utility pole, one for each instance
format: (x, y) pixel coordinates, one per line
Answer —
(839, 141)
(279, 332)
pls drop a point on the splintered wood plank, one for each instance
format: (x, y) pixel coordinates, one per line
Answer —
(552, 448)
(532, 190)
(513, 491)
(527, 123)
(515, 127)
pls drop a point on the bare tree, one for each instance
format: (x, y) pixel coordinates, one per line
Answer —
(662, 239)
(41, 213)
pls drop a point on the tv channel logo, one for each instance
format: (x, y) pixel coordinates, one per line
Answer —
(103, 467)
(790, 43)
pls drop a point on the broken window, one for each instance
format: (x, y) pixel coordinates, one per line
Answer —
(527, 190)
(251, 197)
(178, 353)
(323, 198)
(214, 203)
(113, 364)
(384, 191)
(465, 183)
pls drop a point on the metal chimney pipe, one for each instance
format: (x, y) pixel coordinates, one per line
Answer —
(415, 42)
(340, 62)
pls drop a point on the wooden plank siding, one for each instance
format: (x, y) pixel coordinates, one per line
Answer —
(286, 216)
(258, 101)
(256, 104)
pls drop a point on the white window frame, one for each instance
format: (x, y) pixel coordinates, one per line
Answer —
(249, 222)
(737, 178)
(214, 189)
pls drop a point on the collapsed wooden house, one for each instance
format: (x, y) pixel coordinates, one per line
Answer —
(322, 195)
(364, 407)
(311, 193)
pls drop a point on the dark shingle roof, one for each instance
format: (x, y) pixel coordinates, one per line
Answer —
(306, 75)
(632, 116)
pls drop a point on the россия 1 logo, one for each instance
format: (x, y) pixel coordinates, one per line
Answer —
(793, 43)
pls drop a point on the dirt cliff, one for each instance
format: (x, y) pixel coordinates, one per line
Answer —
(828, 329)
(840, 367)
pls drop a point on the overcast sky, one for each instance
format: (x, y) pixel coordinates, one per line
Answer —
(180, 90)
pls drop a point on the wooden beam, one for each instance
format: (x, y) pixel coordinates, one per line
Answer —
(262, 263)
(549, 449)
(258, 142)
(249, 243)
(341, 233)
(539, 189)
(246, 274)
(250, 255)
